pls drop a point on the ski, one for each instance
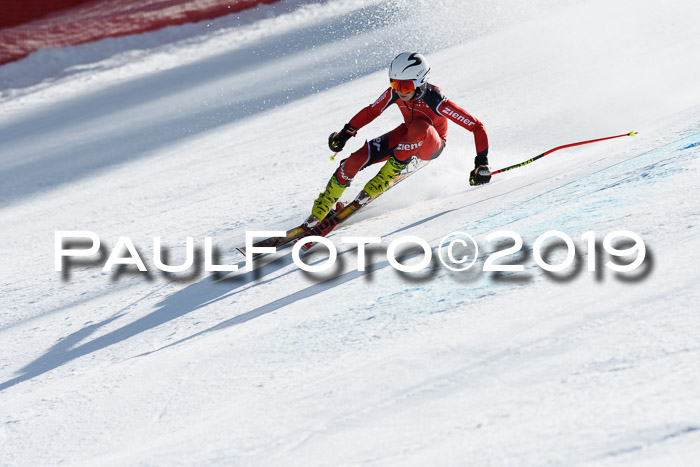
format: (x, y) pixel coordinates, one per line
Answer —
(331, 222)
(328, 224)
(334, 218)
(291, 235)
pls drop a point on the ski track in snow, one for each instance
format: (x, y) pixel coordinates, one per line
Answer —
(218, 128)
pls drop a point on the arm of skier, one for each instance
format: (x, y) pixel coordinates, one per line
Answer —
(462, 118)
(481, 173)
(337, 140)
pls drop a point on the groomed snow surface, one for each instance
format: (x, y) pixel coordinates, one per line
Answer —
(218, 128)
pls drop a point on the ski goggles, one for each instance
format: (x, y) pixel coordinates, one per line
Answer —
(404, 86)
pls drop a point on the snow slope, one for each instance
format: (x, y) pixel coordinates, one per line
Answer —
(219, 128)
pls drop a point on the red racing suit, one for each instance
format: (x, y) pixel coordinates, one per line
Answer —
(423, 133)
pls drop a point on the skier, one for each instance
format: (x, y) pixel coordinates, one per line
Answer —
(425, 110)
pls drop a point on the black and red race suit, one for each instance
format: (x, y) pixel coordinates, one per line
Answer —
(423, 133)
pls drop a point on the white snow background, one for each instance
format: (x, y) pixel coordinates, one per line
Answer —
(218, 128)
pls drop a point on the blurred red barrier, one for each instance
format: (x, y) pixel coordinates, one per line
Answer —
(31, 25)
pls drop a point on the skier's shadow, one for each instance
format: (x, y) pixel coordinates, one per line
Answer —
(208, 290)
(333, 279)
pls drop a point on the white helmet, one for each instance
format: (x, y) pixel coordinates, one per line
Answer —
(410, 66)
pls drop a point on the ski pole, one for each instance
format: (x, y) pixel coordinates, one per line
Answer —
(631, 133)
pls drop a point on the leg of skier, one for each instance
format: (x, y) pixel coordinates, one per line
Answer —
(421, 141)
(395, 148)
(374, 151)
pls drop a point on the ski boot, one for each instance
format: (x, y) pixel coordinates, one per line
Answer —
(387, 174)
(324, 202)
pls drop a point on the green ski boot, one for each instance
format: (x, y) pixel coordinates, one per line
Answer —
(387, 174)
(325, 201)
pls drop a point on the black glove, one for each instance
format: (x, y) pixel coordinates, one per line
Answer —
(336, 141)
(481, 173)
